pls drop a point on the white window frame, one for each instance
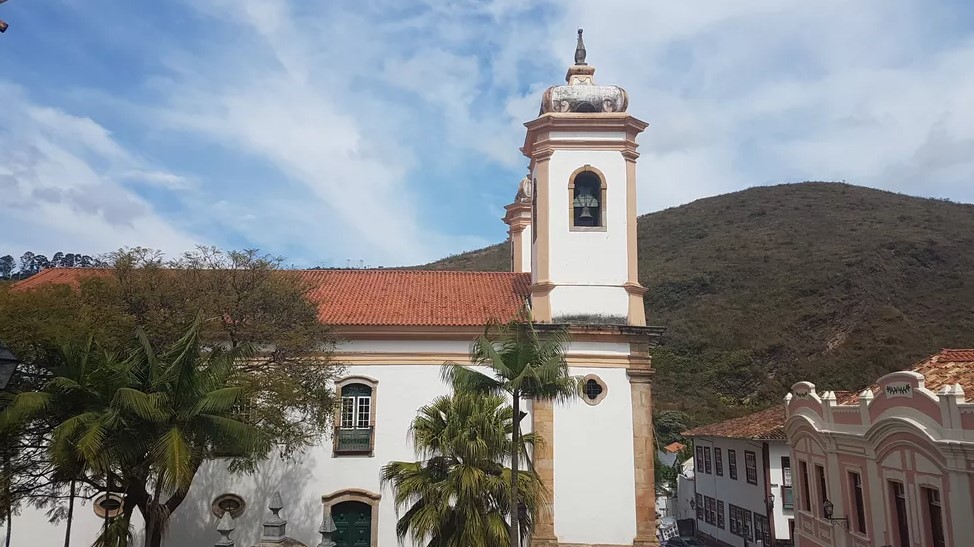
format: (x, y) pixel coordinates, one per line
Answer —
(361, 412)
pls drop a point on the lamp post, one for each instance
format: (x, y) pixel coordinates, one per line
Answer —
(828, 508)
(8, 363)
(3, 24)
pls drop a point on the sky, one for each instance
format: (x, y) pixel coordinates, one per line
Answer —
(386, 132)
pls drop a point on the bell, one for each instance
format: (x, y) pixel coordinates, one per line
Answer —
(586, 213)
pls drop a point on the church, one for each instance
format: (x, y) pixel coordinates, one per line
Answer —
(572, 228)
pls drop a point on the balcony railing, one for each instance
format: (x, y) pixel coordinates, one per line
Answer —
(354, 441)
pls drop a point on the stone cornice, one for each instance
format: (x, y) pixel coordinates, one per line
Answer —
(538, 143)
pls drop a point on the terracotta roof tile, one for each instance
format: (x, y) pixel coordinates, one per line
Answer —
(764, 425)
(385, 297)
(949, 367)
(57, 276)
(412, 297)
(674, 447)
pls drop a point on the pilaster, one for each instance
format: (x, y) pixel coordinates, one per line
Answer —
(543, 427)
(640, 382)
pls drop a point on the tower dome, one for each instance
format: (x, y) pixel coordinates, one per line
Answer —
(581, 94)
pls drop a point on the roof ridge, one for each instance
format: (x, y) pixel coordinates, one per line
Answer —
(403, 270)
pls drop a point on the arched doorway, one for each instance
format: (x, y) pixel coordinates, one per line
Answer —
(354, 522)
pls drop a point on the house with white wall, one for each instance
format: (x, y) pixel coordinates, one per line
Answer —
(742, 480)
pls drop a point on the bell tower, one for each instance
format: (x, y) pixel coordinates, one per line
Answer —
(582, 148)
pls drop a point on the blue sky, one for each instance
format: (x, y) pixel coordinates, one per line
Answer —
(388, 131)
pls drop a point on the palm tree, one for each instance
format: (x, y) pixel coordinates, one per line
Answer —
(522, 365)
(458, 495)
(144, 423)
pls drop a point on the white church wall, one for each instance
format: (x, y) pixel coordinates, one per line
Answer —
(593, 464)
(595, 495)
(32, 528)
(620, 349)
(588, 299)
(401, 391)
(303, 479)
(405, 346)
(588, 257)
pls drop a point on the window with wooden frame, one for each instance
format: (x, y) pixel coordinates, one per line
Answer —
(746, 523)
(736, 524)
(698, 506)
(355, 429)
(935, 516)
(732, 463)
(699, 459)
(710, 510)
(787, 495)
(823, 489)
(707, 463)
(762, 530)
(720, 515)
(858, 502)
(751, 467)
(901, 519)
(803, 485)
(718, 462)
(586, 200)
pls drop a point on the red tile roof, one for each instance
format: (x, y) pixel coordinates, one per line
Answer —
(764, 425)
(58, 276)
(949, 367)
(674, 447)
(386, 297)
(411, 297)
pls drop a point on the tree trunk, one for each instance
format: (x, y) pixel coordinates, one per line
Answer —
(515, 452)
(67, 531)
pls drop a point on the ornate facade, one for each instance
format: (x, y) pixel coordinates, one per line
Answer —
(891, 466)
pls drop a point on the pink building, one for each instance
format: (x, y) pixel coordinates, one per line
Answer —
(892, 466)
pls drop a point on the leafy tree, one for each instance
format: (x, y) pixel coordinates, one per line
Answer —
(144, 423)
(7, 265)
(523, 365)
(247, 300)
(669, 425)
(458, 495)
(28, 264)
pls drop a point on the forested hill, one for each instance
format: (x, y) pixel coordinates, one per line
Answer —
(822, 281)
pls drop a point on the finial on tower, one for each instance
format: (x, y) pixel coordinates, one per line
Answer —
(580, 50)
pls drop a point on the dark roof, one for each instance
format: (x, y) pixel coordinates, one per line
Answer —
(766, 425)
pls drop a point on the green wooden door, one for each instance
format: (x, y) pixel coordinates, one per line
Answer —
(354, 522)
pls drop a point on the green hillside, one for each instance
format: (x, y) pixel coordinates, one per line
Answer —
(823, 281)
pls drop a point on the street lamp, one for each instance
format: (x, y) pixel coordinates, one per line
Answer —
(3, 24)
(828, 508)
(8, 365)
(770, 502)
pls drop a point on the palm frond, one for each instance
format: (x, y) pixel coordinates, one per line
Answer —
(143, 405)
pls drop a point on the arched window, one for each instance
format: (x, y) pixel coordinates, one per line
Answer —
(355, 422)
(587, 191)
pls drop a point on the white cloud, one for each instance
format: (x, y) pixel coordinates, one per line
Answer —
(362, 128)
(60, 189)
